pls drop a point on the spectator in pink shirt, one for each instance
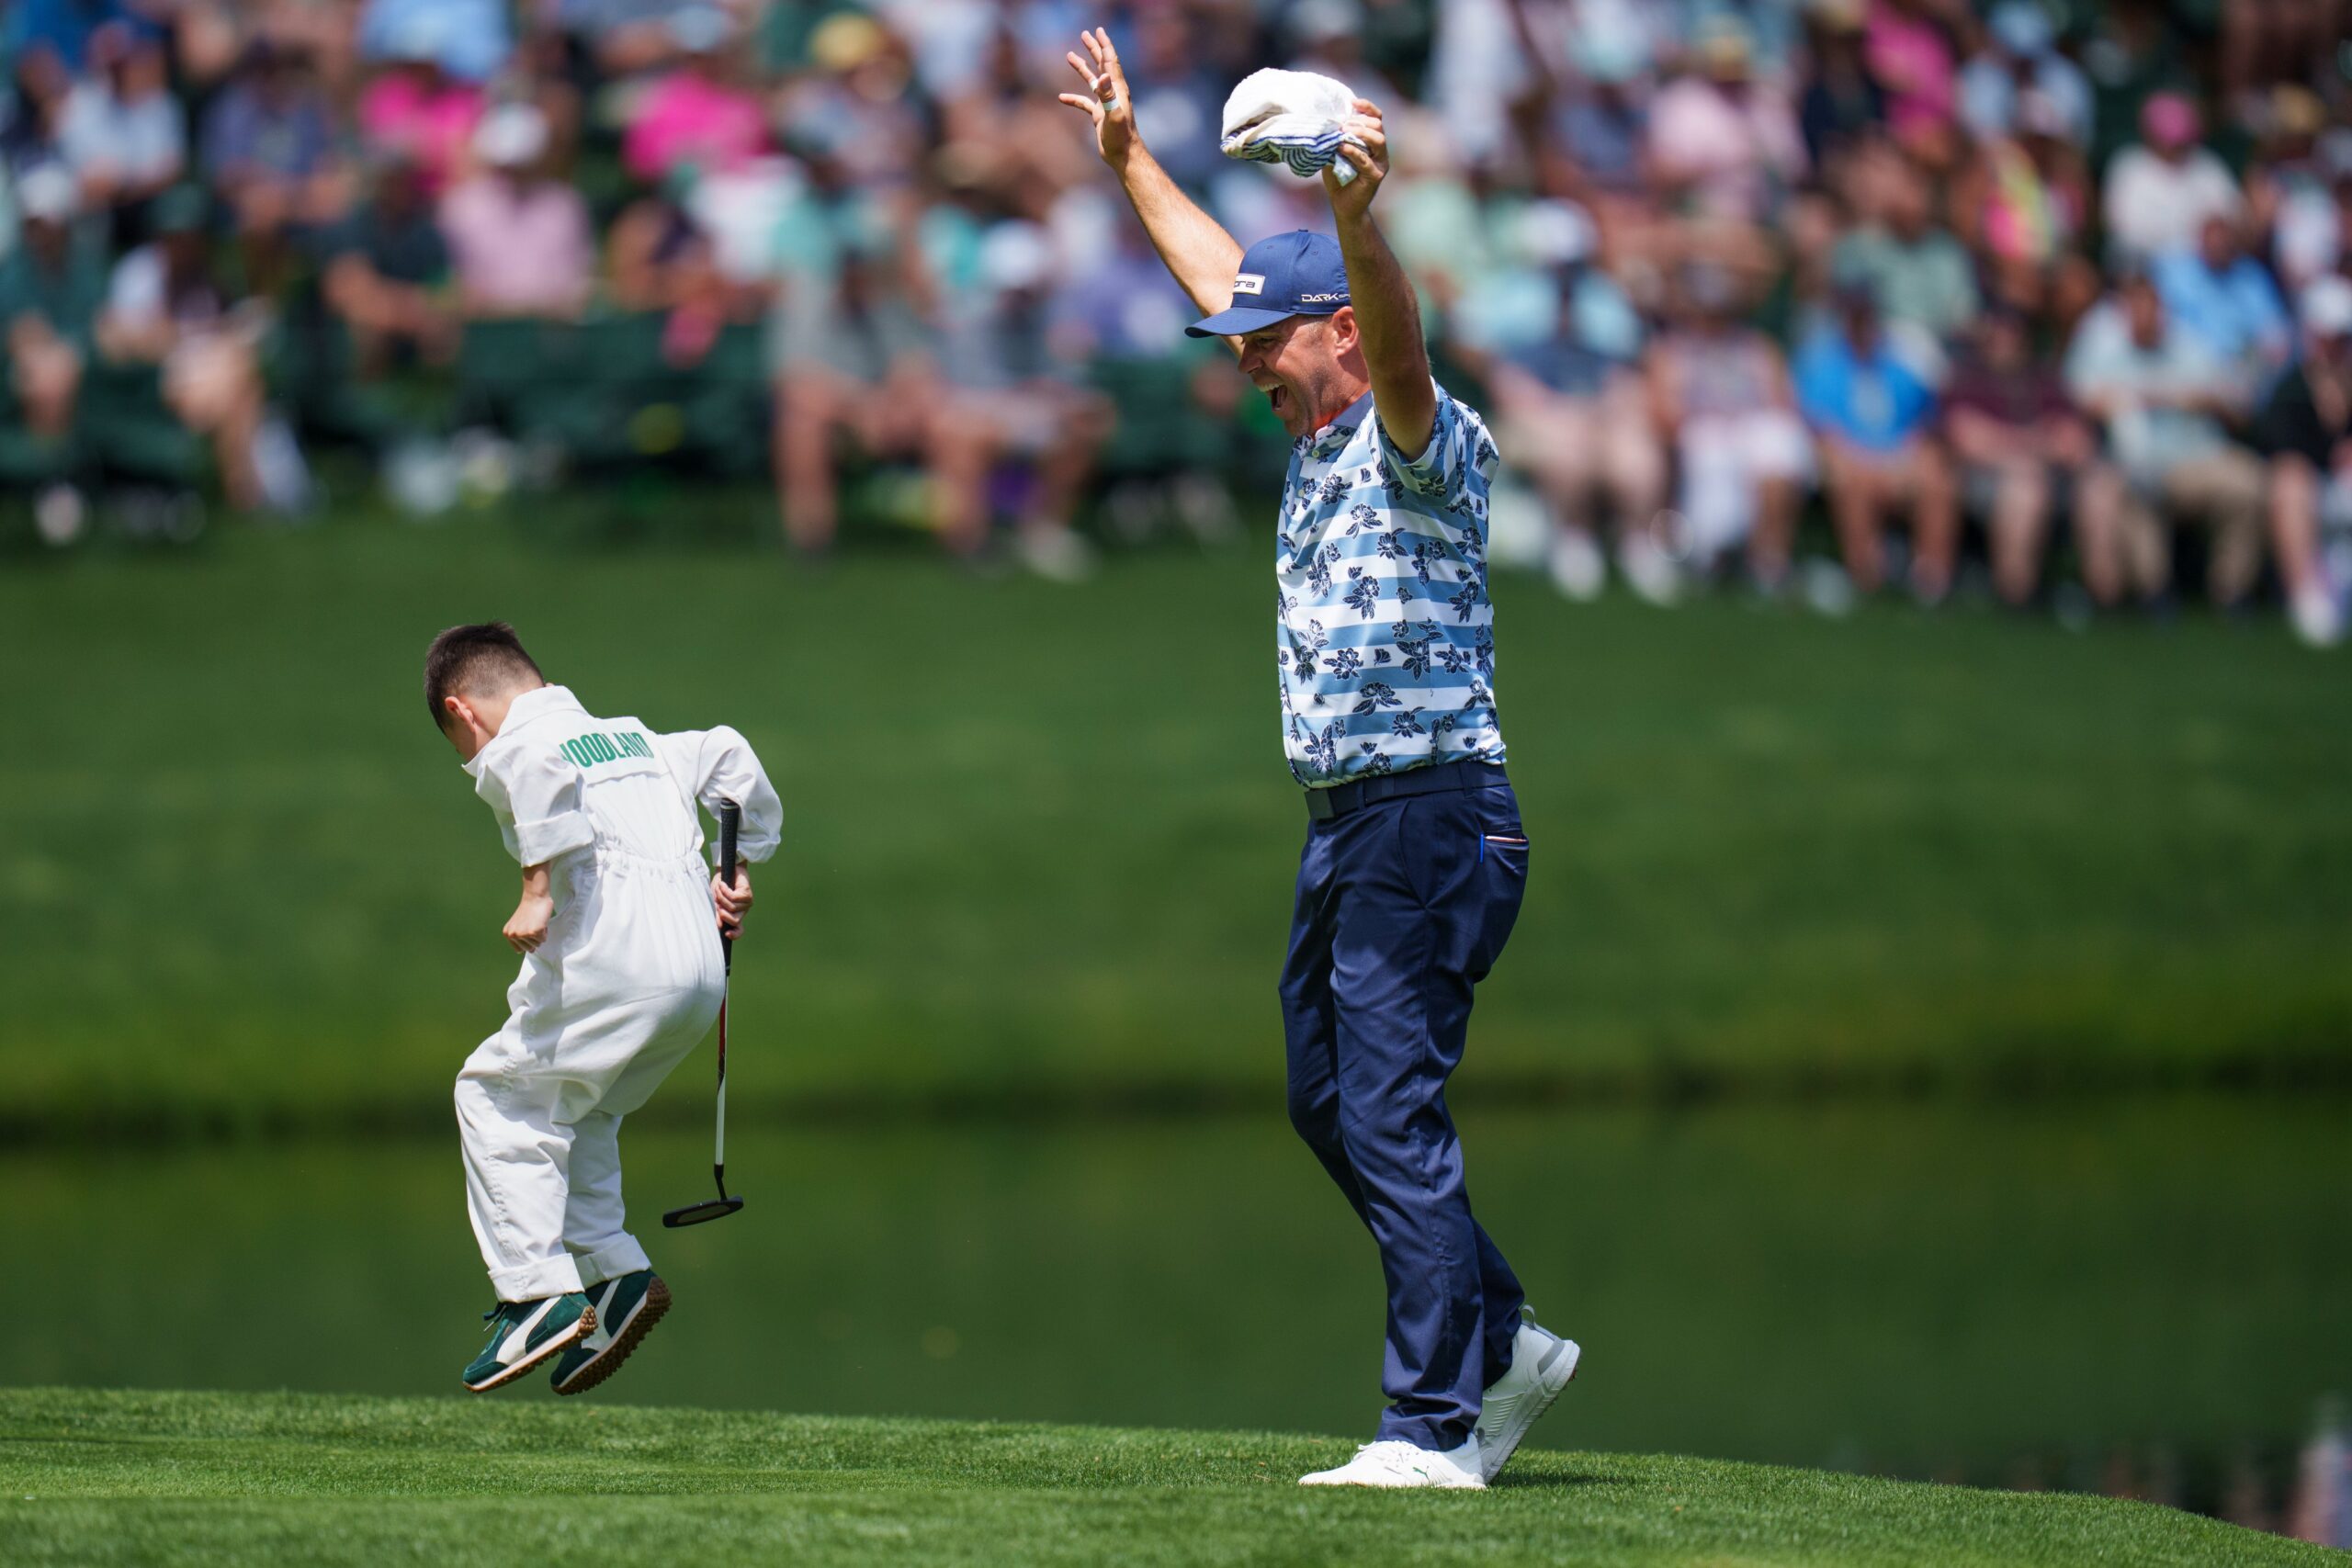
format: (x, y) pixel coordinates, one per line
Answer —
(695, 114)
(1911, 59)
(418, 111)
(521, 242)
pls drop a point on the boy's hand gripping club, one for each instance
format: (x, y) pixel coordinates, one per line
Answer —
(730, 819)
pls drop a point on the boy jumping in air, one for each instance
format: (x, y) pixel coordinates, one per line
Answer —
(619, 926)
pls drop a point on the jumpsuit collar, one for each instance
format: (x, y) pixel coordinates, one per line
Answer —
(539, 700)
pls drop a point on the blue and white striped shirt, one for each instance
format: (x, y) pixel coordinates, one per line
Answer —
(1388, 637)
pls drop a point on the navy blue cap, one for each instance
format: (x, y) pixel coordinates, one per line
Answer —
(1297, 273)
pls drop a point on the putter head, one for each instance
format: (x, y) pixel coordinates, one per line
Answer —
(700, 1213)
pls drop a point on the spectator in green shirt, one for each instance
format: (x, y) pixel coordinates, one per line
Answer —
(387, 274)
(1919, 275)
(51, 287)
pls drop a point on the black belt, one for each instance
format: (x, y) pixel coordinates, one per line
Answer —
(1322, 804)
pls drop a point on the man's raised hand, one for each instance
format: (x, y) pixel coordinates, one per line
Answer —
(1106, 100)
(1370, 161)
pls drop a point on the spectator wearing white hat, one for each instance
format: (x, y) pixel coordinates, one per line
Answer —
(51, 287)
(2305, 430)
(520, 243)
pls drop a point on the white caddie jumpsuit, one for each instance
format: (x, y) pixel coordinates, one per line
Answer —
(628, 981)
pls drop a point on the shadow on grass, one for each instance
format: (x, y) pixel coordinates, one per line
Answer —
(1540, 1482)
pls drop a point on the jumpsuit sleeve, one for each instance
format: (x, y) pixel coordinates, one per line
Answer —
(719, 765)
(535, 794)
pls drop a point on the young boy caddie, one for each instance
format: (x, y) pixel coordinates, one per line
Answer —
(619, 926)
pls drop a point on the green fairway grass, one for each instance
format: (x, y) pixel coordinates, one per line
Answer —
(1042, 840)
(1985, 1294)
(165, 1478)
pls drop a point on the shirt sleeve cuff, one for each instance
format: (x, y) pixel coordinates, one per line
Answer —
(1424, 474)
(536, 843)
(758, 849)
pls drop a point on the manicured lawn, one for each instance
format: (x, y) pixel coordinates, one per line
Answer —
(2153, 1287)
(1042, 838)
(141, 1478)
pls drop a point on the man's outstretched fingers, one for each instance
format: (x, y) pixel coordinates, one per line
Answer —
(1106, 56)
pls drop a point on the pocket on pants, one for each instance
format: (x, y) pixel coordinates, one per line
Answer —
(1502, 874)
(1503, 841)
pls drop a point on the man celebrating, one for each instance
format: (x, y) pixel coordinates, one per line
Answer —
(1415, 861)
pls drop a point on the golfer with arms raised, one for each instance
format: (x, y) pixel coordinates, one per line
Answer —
(1415, 861)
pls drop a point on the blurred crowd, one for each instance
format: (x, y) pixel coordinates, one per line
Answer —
(2048, 297)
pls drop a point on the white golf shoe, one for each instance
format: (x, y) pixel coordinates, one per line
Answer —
(1541, 1365)
(1397, 1463)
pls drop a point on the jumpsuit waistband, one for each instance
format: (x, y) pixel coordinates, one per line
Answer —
(611, 854)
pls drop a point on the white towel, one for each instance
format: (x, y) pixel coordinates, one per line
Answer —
(1290, 117)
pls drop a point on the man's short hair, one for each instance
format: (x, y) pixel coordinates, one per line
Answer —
(482, 658)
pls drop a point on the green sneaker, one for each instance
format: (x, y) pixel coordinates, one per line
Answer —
(524, 1333)
(626, 1310)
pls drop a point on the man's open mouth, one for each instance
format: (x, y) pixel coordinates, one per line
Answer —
(1278, 398)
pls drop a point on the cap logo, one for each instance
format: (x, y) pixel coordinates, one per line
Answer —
(1322, 299)
(1249, 283)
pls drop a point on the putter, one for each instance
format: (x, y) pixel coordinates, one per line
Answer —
(730, 817)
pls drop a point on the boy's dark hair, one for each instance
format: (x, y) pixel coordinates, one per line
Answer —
(472, 658)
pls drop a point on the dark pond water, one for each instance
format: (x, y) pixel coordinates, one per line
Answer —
(2150, 1295)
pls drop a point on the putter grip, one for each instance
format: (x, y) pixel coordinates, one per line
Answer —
(731, 819)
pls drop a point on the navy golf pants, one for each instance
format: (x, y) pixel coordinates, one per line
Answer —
(1404, 905)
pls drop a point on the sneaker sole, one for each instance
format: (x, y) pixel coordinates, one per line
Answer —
(638, 1323)
(537, 1359)
(1520, 1427)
